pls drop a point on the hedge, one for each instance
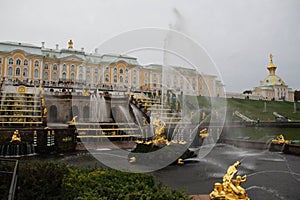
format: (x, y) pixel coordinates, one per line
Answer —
(55, 180)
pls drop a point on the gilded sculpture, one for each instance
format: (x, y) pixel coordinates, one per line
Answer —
(231, 188)
(280, 140)
(16, 137)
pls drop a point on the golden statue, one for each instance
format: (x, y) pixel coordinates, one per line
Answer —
(159, 134)
(145, 122)
(45, 112)
(43, 101)
(203, 133)
(180, 161)
(230, 188)
(132, 159)
(70, 44)
(16, 137)
(73, 121)
(280, 140)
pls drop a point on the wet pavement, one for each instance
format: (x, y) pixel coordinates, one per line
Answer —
(270, 175)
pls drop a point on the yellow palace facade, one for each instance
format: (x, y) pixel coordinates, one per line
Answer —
(30, 64)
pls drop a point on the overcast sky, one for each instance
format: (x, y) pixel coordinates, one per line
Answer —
(237, 35)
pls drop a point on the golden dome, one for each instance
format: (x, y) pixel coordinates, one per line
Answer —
(272, 78)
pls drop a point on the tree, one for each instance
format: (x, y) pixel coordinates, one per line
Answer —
(297, 96)
(247, 92)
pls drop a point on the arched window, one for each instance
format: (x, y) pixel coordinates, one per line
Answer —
(11, 61)
(36, 72)
(25, 72)
(126, 79)
(18, 62)
(134, 72)
(46, 75)
(26, 62)
(121, 79)
(88, 78)
(107, 78)
(64, 67)
(10, 71)
(72, 68)
(54, 67)
(18, 71)
(115, 78)
(80, 68)
(36, 63)
(72, 76)
(64, 76)
(121, 71)
(0, 60)
(54, 77)
(46, 66)
(80, 77)
(126, 71)
(88, 70)
(106, 69)
(115, 71)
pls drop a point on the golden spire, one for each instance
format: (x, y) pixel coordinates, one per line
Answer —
(271, 67)
(271, 59)
(70, 44)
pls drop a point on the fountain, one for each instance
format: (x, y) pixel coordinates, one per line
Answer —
(16, 147)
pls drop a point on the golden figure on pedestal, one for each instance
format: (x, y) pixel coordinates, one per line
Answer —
(159, 134)
(231, 188)
(280, 140)
(16, 137)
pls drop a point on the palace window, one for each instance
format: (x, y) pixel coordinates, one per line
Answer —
(134, 72)
(18, 62)
(80, 68)
(106, 69)
(115, 71)
(126, 79)
(11, 61)
(64, 67)
(54, 67)
(25, 72)
(146, 74)
(36, 63)
(72, 68)
(121, 79)
(46, 75)
(115, 79)
(107, 78)
(18, 71)
(126, 71)
(64, 76)
(54, 77)
(26, 62)
(72, 76)
(10, 71)
(145, 82)
(88, 78)
(46, 66)
(36, 72)
(0, 60)
(134, 80)
(80, 77)
(121, 71)
(88, 70)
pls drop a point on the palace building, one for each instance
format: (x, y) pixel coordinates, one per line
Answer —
(30, 64)
(272, 87)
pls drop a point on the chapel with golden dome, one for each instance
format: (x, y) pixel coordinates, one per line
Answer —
(272, 87)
